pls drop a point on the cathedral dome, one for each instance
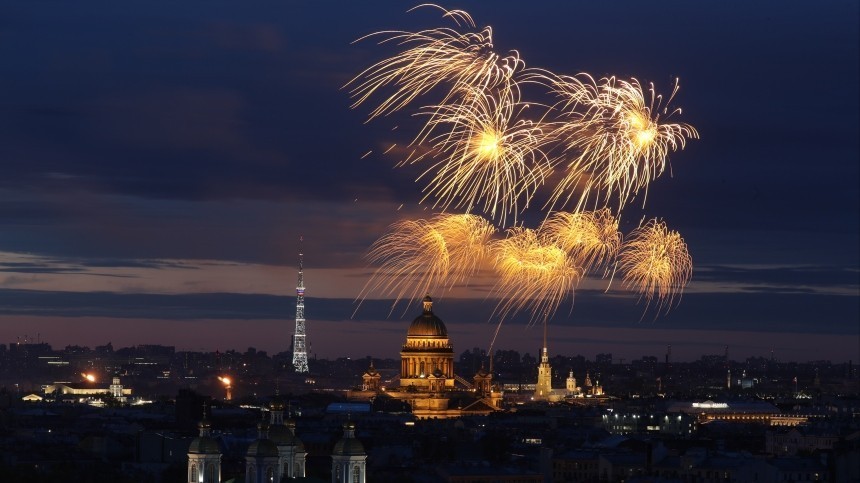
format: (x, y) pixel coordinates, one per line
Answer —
(204, 445)
(348, 445)
(263, 448)
(427, 324)
(282, 436)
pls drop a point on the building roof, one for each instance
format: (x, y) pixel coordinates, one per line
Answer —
(263, 448)
(348, 445)
(347, 408)
(282, 436)
(204, 445)
(427, 324)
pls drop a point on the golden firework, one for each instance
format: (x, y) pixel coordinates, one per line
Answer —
(484, 159)
(533, 273)
(464, 60)
(655, 262)
(618, 141)
(609, 139)
(424, 256)
(590, 237)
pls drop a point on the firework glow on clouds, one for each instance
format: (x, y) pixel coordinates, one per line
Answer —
(486, 150)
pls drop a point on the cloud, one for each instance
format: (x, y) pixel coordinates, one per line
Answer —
(798, 279)
(762, 312)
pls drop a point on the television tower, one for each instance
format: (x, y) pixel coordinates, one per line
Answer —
(300, 354)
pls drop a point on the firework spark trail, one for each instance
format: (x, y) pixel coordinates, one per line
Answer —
(430, 58)
(485, 159)
(616, 138)
(533, 273)
(422, 256)
(655, 262)
(609, 139)
(467, 238)
(591, 238)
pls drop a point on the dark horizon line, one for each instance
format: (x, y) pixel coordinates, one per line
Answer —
(313, 355)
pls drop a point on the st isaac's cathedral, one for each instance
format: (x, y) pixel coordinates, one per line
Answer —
(427, 381)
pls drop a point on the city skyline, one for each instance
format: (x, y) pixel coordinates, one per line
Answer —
(159, 164)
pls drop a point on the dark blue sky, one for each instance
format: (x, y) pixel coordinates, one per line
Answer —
(153, 154)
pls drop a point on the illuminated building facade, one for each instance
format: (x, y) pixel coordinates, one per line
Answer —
(116, 390)
(543, 389)
(427, 379)
(348, 460)
(262, 460)
(204, 457)
(427, 358)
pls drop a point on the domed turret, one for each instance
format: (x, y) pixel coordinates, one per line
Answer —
(204, 444)
(284, 435)
(204, 455)
(348, 445)
(427, 325)
(263, 446)
(348, 460)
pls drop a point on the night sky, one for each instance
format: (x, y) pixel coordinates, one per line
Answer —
(159, 161)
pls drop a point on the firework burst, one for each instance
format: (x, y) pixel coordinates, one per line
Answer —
(422, 256)
(463, 60)
(654, 262)
(485, 159)
(590, 237)
(617, 138)
(606, 139)
(533, 273)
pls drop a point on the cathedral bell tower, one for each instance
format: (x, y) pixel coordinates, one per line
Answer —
(348, 459)
(543, 388)
(204, 456)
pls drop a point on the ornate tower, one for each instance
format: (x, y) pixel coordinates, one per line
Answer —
(543, 388)
(348, 459)
(300, 354)
(262, 460)
(570, 384)
(204, 456)
(291, 450)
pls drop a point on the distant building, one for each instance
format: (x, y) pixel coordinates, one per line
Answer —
(427, 358)
(204, 457)
(116, 390)
(543, 390)
(262, 460)
(348, 459)
(803, 439)
(734, 411)
(291, 450)
(427, 381)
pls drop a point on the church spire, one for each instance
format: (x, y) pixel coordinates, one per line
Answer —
(543, 388)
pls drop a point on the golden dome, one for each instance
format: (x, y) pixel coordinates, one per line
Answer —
(427, 324)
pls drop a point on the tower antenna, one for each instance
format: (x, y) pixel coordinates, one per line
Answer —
(300, 354)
